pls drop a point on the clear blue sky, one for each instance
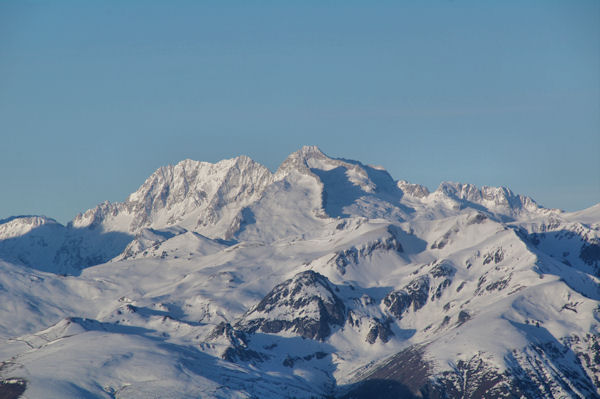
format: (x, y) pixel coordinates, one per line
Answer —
(94, 96)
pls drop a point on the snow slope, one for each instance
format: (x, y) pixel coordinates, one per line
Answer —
(327, 278)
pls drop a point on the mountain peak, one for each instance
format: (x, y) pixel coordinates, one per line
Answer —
(490, 197)
(305, 304)
(311, 150)
(303, 160)
(16, 226)
(193, 194)
(414, 190)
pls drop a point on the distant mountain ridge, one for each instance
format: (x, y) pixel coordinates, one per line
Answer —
(211, 198)
(327, 278)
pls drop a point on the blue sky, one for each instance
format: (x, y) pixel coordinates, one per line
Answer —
(94, 96)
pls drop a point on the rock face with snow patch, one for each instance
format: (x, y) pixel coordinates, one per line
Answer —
(305, 305)
(355, 254)
(236, 343)
(408, 374)
(500, 199)
(414, 295)
(199, 196)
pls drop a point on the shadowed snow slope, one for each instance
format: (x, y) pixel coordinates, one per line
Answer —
(327, 278)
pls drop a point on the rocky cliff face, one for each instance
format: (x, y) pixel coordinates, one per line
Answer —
(305, 305)
(200, 196)
(497, 199)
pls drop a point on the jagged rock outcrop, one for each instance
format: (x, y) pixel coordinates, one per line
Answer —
(379, 329)
(500, 199)
(414, 294)
(305, 305)
(236, 344)
(413, 190)
(409, 375)
(199, 196)
(353, 255)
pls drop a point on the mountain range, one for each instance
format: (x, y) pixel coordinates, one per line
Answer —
(325, 279)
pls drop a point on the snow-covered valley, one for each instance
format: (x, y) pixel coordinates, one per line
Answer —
(326, 279)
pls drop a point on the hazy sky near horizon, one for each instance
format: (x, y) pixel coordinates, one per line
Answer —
(94, 96)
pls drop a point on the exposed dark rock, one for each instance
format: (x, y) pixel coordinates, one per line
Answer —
(224, 329)
(443, 270)
(408, 375)
(344, 258)
(445, 321)
(290, 361)
(440, 289)
(498, 285)
(415, 294)
(477, 218)
(496, 256)
(319, 355)
(480, 282)
(238, 344)
(474, 379)
(12, 388)
(404, 375)
(380, 329)
(590, 253)
(547, 367)
(398, 302)
(445, 239)
(463, 316)
(353, 255)
(354, 322)
(233, 354)
(309, 303)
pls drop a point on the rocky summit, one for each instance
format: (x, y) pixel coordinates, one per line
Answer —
(327, 278)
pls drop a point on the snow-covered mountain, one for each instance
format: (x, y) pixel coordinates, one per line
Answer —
(327, 278)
